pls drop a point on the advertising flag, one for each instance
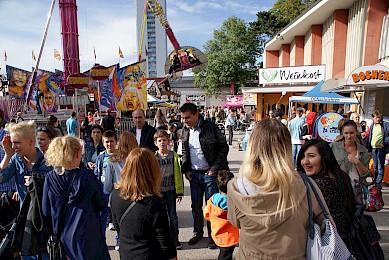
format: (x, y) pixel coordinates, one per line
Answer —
(5, 55)
(18, 79)
(57, 55)
(121, 53)
(94, 52)
(131, 92)
(33, 55)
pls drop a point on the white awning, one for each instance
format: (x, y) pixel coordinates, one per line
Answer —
(279, 89)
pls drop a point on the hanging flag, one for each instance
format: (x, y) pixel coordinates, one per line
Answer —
(146, 51)
(94, 52)
(121, 53)
(5, 55)
(33, 55)
(57, 55)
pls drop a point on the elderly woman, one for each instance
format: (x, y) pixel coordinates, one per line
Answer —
(78, 227)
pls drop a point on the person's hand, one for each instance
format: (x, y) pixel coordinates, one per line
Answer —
(7, 145)
(363, 134)
(353, 159)
(187, 176)
(382, 146)
(178, 199)
(210, 173)
(91, 165)
(15, 196)
(27, 180)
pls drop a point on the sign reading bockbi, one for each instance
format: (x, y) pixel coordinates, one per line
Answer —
(327, 126)
(196, 99)
(369, 75)
(302, 74)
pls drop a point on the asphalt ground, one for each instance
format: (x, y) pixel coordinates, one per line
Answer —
(200, 251)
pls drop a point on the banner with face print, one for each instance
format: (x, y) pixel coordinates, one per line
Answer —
(131, 91)
(47, 87)
(18, 79)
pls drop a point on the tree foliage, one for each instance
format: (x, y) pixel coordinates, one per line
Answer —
(269, 23)
(232, 55)
(290, 9)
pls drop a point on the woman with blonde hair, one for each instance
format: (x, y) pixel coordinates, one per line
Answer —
(73, 198)
(27, 164)
(268, 201)
(138, 211)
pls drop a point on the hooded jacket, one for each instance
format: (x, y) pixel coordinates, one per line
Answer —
(223, 232)
(265, 234)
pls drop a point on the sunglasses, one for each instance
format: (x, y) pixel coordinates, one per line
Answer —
(47, 130)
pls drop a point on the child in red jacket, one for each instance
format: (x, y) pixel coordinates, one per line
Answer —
(225, 235)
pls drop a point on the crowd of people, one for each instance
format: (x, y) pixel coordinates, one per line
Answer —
(72, 186)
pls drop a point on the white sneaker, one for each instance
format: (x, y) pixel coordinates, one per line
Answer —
(111, 227)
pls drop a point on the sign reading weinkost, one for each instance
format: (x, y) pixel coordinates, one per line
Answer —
(286, 75)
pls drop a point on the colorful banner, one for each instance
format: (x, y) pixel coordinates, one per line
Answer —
(327, 126)
(234, 101)
(131, 91)
(18, 79)
(48, 86)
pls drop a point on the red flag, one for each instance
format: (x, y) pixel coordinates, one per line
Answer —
(5, 55)
(121, 53)
(94, 52)
(147, 52)
(57, 55)
(33, 55)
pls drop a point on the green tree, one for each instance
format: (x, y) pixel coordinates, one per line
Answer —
(232, 55)
(269, 23)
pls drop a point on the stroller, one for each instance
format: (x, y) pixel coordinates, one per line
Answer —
(9, 210)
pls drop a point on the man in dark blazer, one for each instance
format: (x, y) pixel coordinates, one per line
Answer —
(143, 131)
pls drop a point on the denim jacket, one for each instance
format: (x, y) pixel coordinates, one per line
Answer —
(17, 168)
(90, 150)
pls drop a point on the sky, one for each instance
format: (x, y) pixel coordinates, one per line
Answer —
(106, 25)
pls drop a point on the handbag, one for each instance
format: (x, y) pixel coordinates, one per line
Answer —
(373, 200)
(364, 237)
(323, 246)
(54, 245)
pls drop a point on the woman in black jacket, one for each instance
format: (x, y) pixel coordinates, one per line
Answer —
(317, 160)
(144, 233)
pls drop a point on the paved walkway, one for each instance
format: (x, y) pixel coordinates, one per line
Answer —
(200, 250)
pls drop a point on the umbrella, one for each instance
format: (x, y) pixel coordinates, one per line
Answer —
(333, 84)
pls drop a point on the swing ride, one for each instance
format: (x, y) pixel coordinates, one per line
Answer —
(182, 57)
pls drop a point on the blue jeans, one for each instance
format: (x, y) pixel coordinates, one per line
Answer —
(200, 184)
(378, 164)
(104, 216)
(295, 151)
(170, 200)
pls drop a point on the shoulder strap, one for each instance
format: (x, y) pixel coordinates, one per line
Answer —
(126, 212)
(65, 207)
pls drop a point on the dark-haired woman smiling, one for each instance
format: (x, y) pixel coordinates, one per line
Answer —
(317, 160)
